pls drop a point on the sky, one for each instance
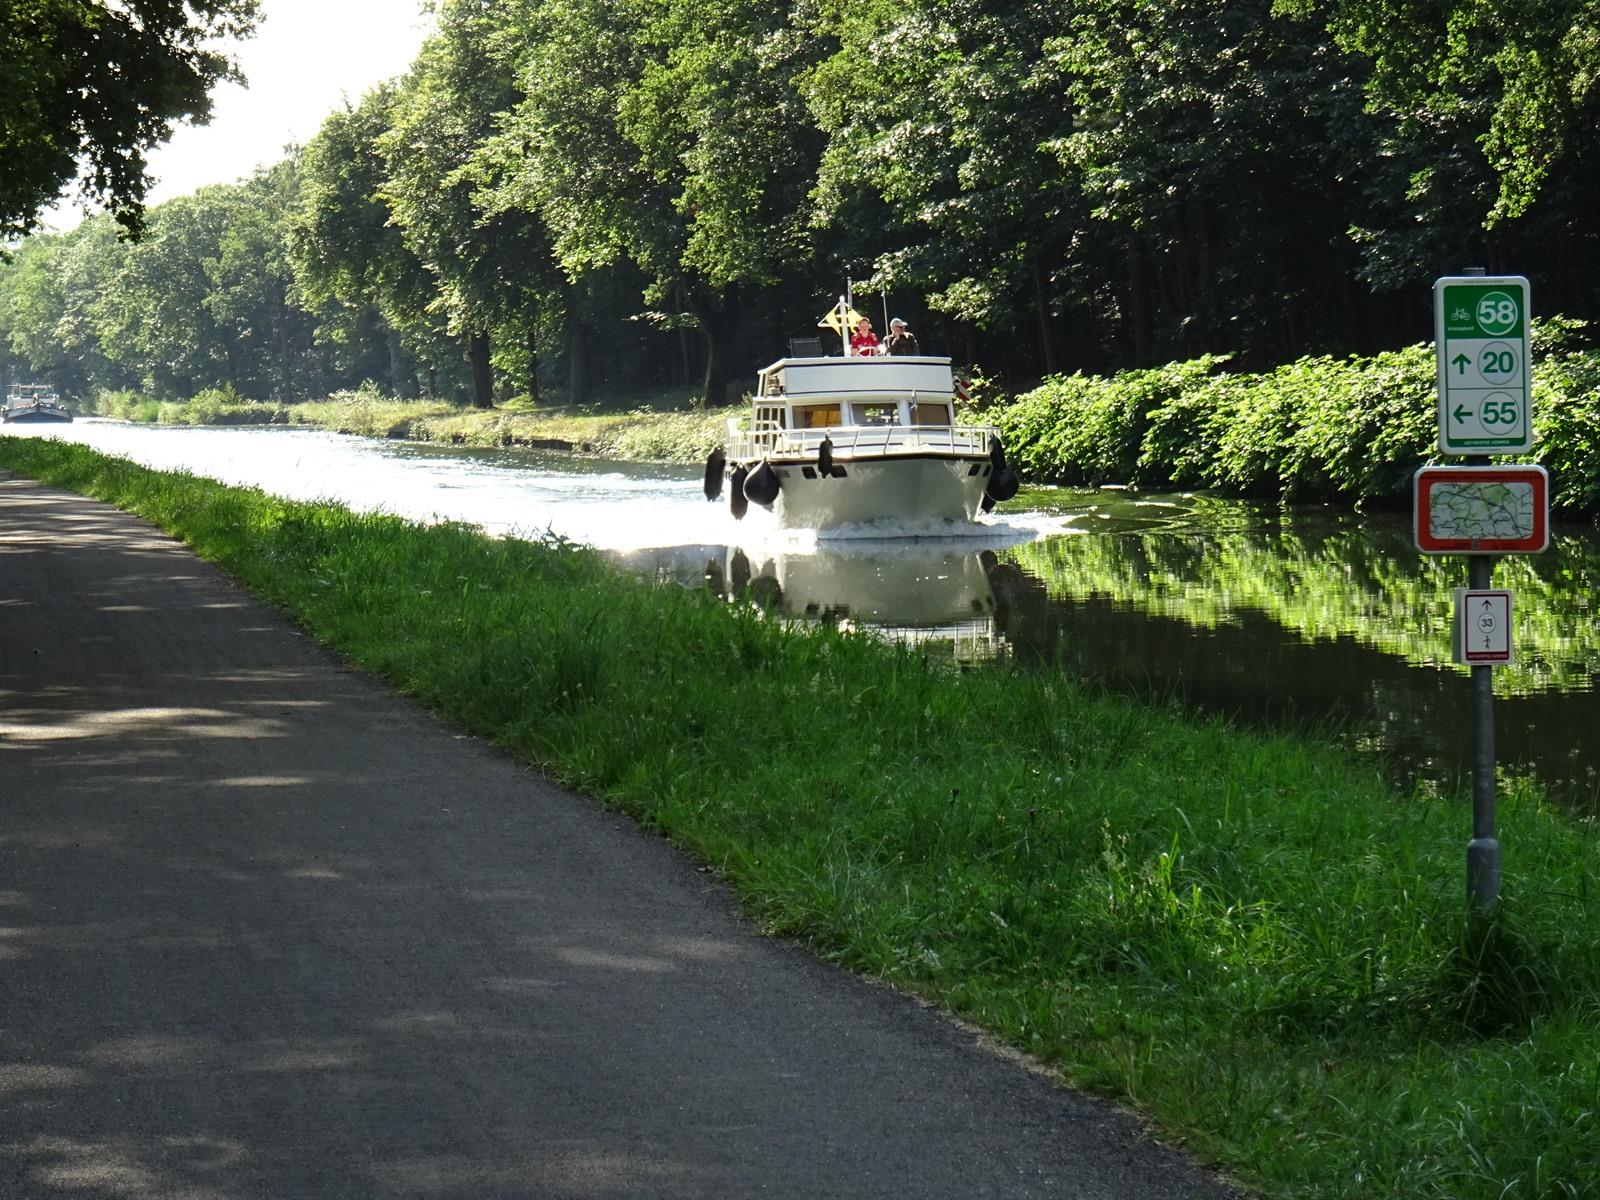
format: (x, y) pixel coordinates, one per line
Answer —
(306, 58)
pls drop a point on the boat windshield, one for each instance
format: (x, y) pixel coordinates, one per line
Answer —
(930, 414)
(816, 416)
(877, 414)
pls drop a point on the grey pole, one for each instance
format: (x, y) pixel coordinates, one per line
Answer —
(1483, 851)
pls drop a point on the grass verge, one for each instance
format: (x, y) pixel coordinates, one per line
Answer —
(1251, 938)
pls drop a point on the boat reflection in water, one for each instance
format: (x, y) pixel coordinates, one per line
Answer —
(934, 595)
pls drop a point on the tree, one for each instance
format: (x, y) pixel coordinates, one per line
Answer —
(492, 264)
(350, 262)
(1531, 64)
(95, 85)
(669, 135)
(934, 173)
(251, 287)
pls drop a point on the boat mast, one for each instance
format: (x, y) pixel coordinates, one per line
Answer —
(846, 306)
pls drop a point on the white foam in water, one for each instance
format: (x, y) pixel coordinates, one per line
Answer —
(517, 494)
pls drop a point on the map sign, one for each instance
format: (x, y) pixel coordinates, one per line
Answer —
(1481, 332)
(1482, 510)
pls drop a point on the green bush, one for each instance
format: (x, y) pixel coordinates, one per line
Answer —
(1352, 429)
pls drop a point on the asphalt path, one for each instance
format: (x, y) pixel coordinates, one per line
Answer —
(269, 930)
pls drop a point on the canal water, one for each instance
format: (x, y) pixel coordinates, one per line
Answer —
(1304, 615)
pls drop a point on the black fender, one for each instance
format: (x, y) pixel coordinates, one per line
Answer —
(736, 501)
(716, 467)
(762, 485)
(825, 457)
(1003, 484)
(997, 452)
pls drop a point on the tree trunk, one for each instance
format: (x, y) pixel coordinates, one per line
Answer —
(577, 359)
(719, 318)
(1041, 304)
(1138, 306)
(482, 375)
(533, 362)
(281, 306)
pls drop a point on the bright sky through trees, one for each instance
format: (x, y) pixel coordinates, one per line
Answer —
(306, 58)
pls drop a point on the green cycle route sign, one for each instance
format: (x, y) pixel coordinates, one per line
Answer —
(1481, 331)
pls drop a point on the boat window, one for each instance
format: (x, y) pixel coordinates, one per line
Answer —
(816, 416)
(877, 414)
(930, 414)
(774, 384)
(771, 415)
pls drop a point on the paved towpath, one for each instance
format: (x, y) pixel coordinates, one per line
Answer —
(268, 930)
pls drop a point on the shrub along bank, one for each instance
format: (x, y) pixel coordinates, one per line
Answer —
(1350, 429)
(663, 430)
(1250, 937)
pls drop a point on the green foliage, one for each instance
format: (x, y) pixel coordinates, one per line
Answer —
(1527, 68)
(1250, 937)
(92, 87)
(1354, 429)
(647, 193)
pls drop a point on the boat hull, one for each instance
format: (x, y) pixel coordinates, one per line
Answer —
(887, 489)
(35, 416)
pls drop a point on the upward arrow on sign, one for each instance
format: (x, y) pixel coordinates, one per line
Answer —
(1461, 362)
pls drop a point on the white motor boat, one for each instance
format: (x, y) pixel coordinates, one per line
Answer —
(849, 440)
(29, 403)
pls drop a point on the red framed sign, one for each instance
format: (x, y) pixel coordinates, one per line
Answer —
(1482, 510)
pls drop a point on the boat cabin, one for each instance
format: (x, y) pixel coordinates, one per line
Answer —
(833, 393)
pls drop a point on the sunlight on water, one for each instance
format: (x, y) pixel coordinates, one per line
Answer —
(613, 506)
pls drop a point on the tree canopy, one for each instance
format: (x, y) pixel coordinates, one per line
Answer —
(92, 86)
(632, 195)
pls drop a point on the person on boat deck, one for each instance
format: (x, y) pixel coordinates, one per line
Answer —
(862, 339)
(901, 340)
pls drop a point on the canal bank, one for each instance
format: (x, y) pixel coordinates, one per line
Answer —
(663, 429)
(1266, 613)
(274, 930)
(1252, 938)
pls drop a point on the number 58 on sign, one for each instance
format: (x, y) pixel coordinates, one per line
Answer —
(1481, 330)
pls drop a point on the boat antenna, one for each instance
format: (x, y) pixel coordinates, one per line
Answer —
(885, 312)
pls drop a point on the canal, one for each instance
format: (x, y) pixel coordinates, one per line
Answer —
(1269, 614)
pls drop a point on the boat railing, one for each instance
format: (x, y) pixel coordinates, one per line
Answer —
(758, 439)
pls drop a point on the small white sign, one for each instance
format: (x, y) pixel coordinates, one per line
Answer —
(1483, 627)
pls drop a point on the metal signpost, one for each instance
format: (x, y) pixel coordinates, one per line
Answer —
(1485, 407)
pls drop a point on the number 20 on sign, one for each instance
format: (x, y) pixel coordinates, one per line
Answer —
(1481, 325)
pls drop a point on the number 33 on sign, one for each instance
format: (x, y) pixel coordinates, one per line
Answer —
(1482, 631)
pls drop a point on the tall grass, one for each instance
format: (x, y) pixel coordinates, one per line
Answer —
(1252, 938)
